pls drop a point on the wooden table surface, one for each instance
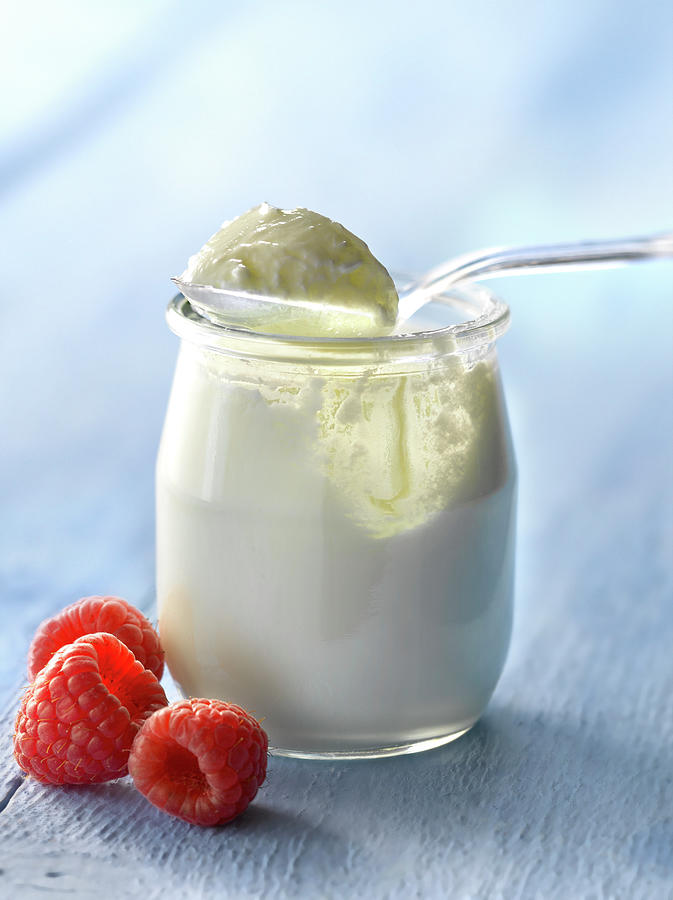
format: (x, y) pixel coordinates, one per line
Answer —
(565, 788)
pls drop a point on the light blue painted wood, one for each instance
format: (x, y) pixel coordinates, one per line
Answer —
(565, 789)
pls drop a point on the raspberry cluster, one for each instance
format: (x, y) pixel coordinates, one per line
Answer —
(95, 710)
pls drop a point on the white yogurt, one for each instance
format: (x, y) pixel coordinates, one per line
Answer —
(335, 550)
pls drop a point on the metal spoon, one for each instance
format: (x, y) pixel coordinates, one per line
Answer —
(242, 309)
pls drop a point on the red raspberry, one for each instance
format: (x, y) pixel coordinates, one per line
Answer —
(89, 616)
(78, 719)
(200, 760)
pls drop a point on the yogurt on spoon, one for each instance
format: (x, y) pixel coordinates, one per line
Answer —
(333, 284)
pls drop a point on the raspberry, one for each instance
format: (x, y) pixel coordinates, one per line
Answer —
(78, 719)
(200, 760)
(91, 615)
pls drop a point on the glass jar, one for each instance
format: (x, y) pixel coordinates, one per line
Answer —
(335, 527)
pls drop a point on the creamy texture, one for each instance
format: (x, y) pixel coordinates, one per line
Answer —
(341, 288)
(335, 553)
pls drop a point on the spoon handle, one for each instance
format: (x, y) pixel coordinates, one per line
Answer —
(496, 262)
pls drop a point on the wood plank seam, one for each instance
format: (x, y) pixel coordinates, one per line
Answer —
(12, 789)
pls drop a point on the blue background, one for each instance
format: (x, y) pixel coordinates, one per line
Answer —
(128, 132)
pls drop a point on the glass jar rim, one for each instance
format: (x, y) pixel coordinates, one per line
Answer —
(489, 320)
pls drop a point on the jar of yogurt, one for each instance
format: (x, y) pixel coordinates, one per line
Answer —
(335, 527)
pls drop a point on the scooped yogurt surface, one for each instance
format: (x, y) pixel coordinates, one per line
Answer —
(337, 285)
